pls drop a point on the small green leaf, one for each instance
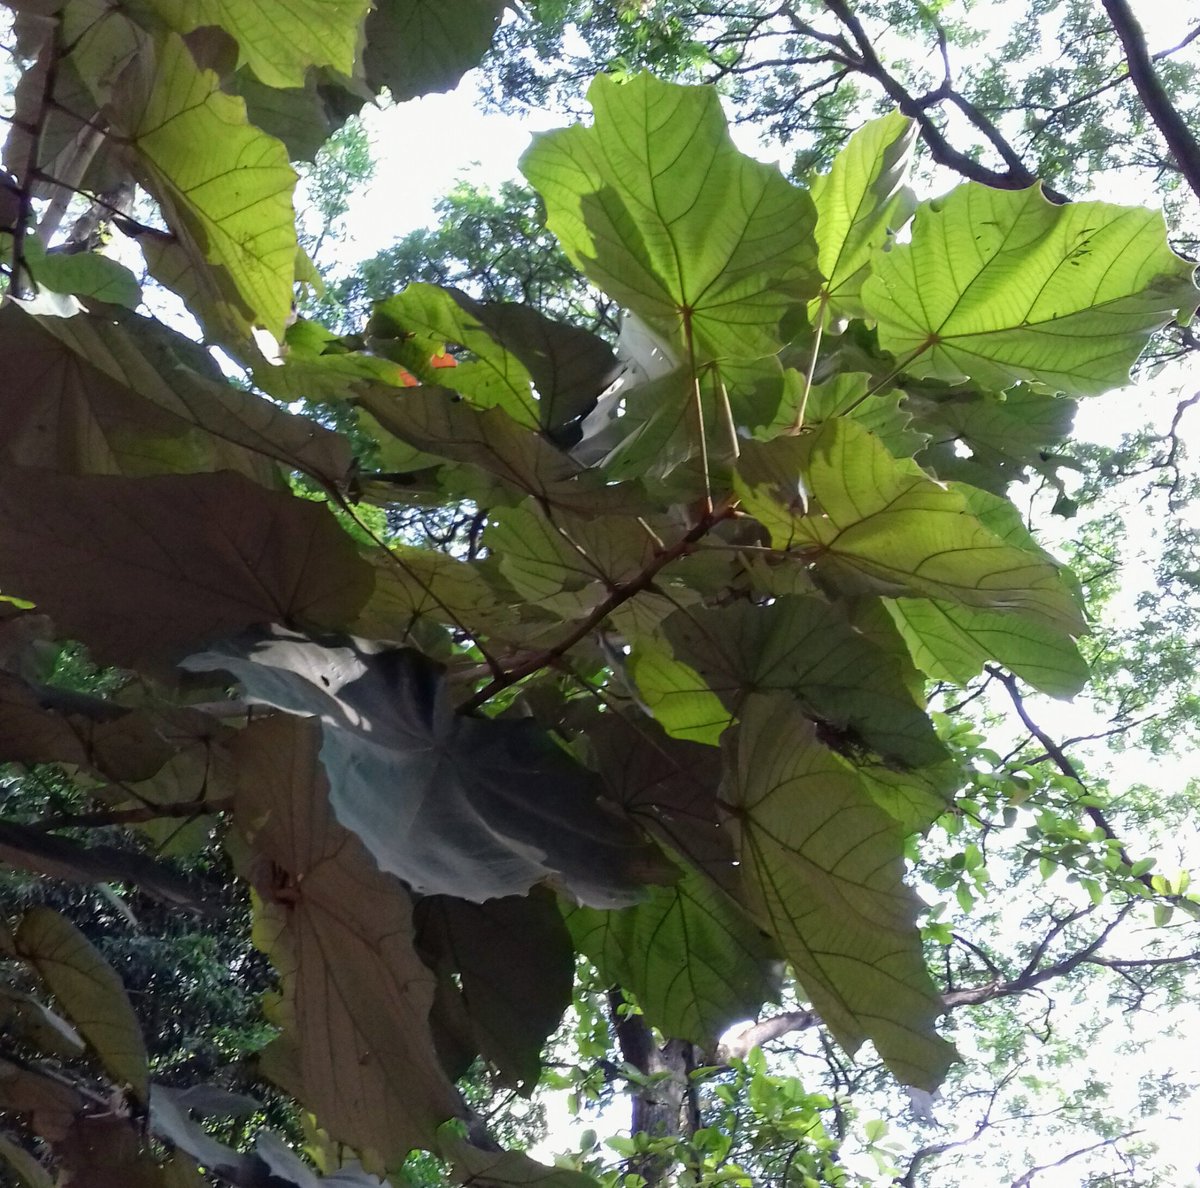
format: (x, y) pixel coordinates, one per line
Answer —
(88, 991)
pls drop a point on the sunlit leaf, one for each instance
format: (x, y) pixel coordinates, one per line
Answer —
(225, 187)
(1004, 285)
(860, 202)
(655, 205)
(880, 524)
(278, 39)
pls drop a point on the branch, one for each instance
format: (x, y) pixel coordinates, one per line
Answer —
(1181, 141)
(617, 597)
(755, 1035)
(1027, 1179)
(1016, 177)
(1064, 764)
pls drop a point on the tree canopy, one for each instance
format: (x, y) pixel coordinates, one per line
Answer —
(601, 624)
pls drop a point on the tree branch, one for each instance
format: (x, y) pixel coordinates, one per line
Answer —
(617, 597)
(1181, 141)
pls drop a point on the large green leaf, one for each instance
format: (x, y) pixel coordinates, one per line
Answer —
(656, 206)
(860, 203)
(1004, 285)
(489, 807)
(224, 186)
(417, 46)
(140, 569)
(881, 524)
(356, 1047)
(278, 39)
(952, 643)
(805, 646)
(691, 957)
(823, 870)
(87, 990)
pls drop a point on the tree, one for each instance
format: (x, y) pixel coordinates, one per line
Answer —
(663, 702)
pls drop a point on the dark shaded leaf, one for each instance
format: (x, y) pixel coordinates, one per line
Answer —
(139, 569)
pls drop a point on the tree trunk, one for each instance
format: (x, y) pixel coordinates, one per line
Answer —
(667, 1106)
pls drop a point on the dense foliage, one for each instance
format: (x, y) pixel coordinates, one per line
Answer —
(385, 683)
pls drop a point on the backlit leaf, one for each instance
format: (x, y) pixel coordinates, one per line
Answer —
(655, 205)
(880, 524)
(225, 187)
(87, 991)
(1004, 285)
(823, 871)
(860, 202)
(278, 39)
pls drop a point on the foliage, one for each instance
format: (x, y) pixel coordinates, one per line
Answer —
(671, 704)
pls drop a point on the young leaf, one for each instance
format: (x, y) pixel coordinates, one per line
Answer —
(860, 202)
(88, 991)
(823, 867)
(655, 205)
(1004, 285)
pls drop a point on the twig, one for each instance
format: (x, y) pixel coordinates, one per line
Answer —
(616, 597)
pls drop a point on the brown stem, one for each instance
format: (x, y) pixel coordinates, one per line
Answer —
(616, 597)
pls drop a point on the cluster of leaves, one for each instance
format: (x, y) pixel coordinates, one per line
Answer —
(668, 710)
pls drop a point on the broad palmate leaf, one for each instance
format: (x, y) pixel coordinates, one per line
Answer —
(88, 991)
(453, 805)
(881, 524)
(225, 187)
(356, 1046)
(655, 205)
(278, 39)
(692, 958)
(1005, 285)
(823, 871)
(141, 569)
